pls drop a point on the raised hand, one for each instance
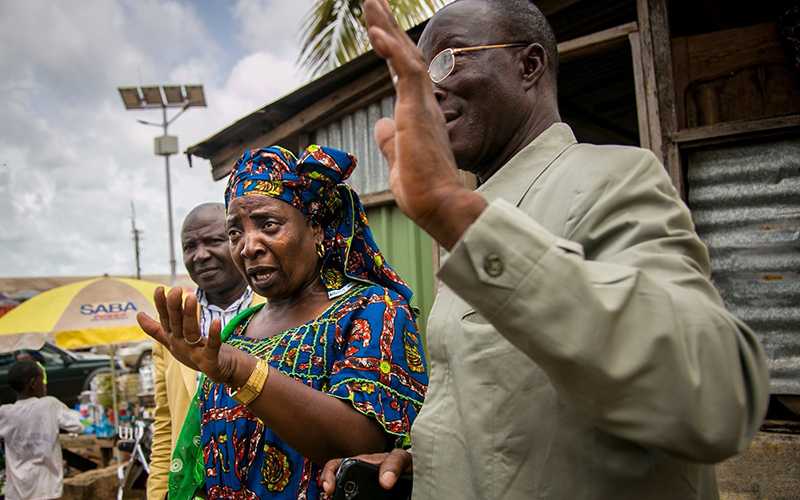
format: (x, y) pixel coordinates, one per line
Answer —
(179, 331)
(422, 171)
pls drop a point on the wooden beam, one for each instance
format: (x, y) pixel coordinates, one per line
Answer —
(721, 132)
(595, 42)
(641, 93)
(656, 57)
(377, 199)
(681, 71)
(373, 95)
(304, 120)
(649, 79)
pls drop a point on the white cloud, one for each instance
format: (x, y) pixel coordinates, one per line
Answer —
(72, 159)
(271, 25)
(259, 77)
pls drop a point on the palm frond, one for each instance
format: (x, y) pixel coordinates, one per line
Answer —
(333, 31)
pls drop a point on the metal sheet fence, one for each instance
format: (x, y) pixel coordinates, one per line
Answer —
(745, 200)
(404, 244)
(409, 250)
(353, 133)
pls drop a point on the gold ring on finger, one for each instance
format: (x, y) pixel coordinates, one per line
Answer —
(193, 342)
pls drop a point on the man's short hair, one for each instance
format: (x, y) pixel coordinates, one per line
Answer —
(202, 209)
(522, 21)
(22, 373)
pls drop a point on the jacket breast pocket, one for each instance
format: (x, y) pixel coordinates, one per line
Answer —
(480, 339)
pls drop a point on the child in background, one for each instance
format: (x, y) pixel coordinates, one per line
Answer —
(29, 427)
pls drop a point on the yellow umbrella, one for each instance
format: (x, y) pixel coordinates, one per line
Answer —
(98, 311)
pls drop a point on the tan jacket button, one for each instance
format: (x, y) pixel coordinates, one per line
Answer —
(493, 265)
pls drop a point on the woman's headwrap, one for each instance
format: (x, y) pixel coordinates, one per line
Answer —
(314, 184)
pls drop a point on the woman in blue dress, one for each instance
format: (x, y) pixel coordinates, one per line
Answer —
(331, 366)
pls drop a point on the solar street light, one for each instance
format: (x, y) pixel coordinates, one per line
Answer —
(163, 97)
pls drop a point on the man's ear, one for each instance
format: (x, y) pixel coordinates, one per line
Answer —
(534, 64)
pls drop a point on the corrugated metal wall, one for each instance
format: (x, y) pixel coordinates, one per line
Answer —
(409, 250)
(406, 246)
(745, 200)
(353, 133)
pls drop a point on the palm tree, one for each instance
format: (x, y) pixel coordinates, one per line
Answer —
(334, 32)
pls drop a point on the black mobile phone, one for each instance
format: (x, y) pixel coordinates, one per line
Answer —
(357, 480)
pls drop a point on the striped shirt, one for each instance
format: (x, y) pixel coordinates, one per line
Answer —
(210, 312)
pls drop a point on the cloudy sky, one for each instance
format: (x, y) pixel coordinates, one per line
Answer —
(72, 158)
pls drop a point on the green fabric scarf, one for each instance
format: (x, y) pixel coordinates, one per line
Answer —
(187, 468)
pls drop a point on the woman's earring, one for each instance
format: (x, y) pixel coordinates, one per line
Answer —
(320, 250)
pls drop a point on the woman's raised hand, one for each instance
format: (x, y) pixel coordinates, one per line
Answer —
(179, 331)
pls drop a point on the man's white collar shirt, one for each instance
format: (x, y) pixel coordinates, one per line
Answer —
(210, 312)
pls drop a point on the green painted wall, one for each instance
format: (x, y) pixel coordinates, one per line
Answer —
(409, 250)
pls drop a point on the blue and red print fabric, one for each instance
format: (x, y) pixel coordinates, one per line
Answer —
(365, 349)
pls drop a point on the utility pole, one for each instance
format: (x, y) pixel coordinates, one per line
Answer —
(163, 148)
(136, 238)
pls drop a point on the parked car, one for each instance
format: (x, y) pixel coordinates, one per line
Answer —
(68, 373)
(135, 355)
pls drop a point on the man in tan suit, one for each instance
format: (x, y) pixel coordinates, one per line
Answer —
(578, 350)
(222, 294)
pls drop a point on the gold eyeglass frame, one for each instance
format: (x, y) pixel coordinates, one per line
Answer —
(459, 50)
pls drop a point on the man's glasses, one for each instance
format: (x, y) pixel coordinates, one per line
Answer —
(445, 61)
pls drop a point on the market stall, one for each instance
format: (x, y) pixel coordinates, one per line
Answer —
(90, 313)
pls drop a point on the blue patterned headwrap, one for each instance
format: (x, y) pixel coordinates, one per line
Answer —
(314, 184)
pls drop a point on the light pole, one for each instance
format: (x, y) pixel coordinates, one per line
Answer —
(164, 96)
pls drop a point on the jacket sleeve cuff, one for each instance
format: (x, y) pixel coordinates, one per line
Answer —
(496, 254)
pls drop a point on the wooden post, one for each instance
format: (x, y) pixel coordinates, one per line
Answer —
(641, 91)
(656, 64)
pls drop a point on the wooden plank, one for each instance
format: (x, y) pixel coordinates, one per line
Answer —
(712, 55)
(222, 170)
(649, 77)
(596, 42)
(726, 130)
(657, 65)
(674, 166)
(732, 75)
(680, 68)
(304, 120)
(641, 91)
(363, 101)
(377, 199)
